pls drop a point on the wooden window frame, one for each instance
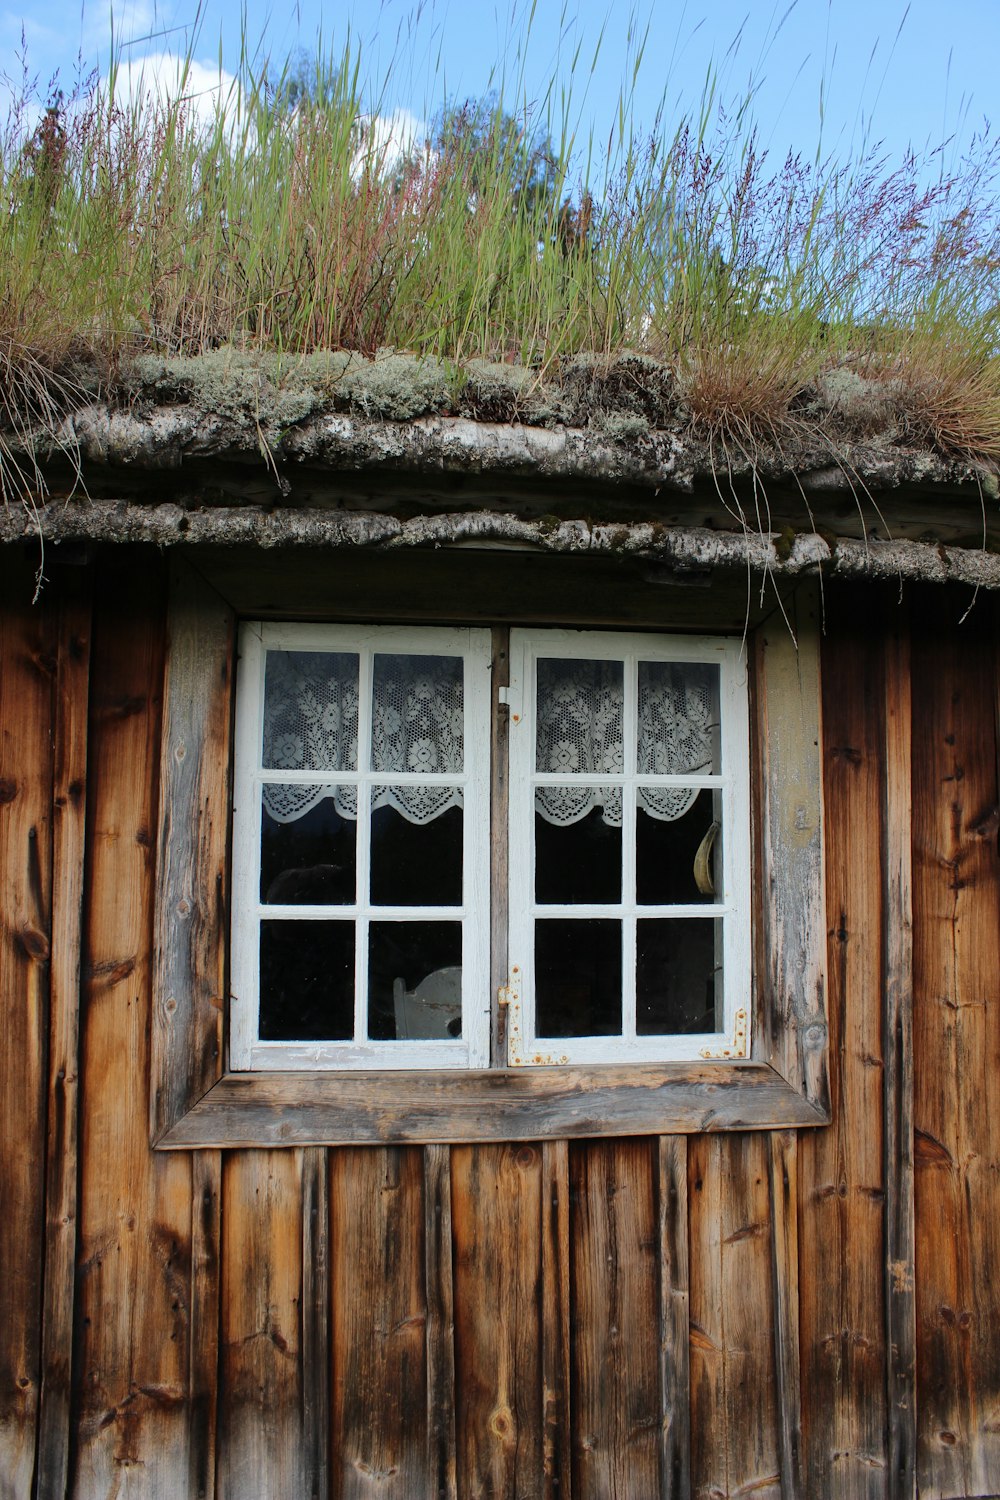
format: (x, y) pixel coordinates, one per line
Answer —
(196, 1101)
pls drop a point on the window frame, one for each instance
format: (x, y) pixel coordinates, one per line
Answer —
(196, 1100)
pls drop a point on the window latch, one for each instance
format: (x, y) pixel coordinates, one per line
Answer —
(513, 703)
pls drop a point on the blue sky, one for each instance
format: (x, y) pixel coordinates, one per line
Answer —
(886, 71)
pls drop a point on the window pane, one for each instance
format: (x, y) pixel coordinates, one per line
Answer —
(311, 711)
(579, 716)
(678, 976)
(307, 847)
(678, 718)
(417, 714)
(306, 981)
(414, 981)
(678, 846)
(579, 861)
(415, 863)
(578, 978)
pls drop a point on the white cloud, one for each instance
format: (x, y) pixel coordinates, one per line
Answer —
(166, 76)
(389, 138)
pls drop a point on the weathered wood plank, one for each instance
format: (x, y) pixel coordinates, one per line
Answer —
(68, 848)
(496, 1223)
(380, 1438)
(316, 1294)
(956, 1050)
(709, 1438)
(791, 1031)
(555, 1314)
(840, 1170)
(27, 665)
(897, 999)
(783, 1186)
(736, 1412)
(191, 917)
(308, 1109)
(441, 1431)
(675, 1319)
(206, 1239)
(136, 1345)
(617, 1416)
(262, 1450)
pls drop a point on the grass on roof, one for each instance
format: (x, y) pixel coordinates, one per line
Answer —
(287, 222)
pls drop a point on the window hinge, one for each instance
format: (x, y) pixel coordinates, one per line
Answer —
(513, 703)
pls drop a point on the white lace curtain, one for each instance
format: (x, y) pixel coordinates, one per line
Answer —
(579, 731)
(311, 723)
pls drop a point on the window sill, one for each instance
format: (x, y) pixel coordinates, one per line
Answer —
(359, 1109)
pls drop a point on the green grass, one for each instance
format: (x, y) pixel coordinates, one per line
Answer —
(282, 225)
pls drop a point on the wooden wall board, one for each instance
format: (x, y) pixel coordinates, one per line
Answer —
(497, 1210)
(262, 1449)
(615, 1300)
(897, 999)
(27, 669)
(442, 1477)
(956, 1044)
(840, 1170)
(734, 1419)
(784, 1196)
(379, 1349)
(135, 1340)
(675, 1318)
(69, 805)
(192, 923)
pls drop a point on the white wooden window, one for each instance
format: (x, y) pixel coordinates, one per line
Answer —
(362, 889)
(361, 848)
(629, 910)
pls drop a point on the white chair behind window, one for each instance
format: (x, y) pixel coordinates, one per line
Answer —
(431, 1010)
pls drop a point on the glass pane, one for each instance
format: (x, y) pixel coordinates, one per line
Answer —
(678, 976)
(578, 978)
(414, 981)
(678, 718)
(578, 861)
(579, 716)
(311, 711)
(307, 845)
(678, 846)
(306, 981)
(416, 861)
(417, 704)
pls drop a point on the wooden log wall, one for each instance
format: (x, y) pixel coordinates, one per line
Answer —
(740, 1314)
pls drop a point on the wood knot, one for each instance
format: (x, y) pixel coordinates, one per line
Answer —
(8, 791)
(34, 943)
(501, 1422)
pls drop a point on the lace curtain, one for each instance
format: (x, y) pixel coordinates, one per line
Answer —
(579, 731)
(311, 723)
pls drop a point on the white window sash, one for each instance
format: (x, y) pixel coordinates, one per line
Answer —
(247, 1050)
(526, 1045)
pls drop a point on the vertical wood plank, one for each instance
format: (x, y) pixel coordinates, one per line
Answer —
(791, 1027)
(840, 1169)
(262, 1431)
(380, 1384)
(956, 1049)
(316, 1293)
(499, 1318)
(617, 1419)
(441, 1430)
(675, 1317)
(27, 664)
(192, 921)
(68, 848)
(785, 1268)
(897, 995)
(709, 1414)
(137, 1347)
(734, 1419)
(555, 1296)
(203, 1376)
